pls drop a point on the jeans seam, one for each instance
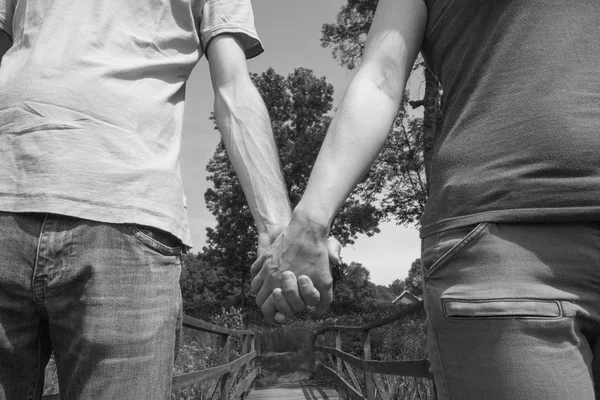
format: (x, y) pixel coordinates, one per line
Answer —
(439, 354)
(39, 365)
(594, 331)
(36, 264)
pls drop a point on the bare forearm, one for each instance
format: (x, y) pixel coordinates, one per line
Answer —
(244, 123)
(355, 138)
(368, 109)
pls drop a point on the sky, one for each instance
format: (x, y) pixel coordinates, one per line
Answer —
(290, 31)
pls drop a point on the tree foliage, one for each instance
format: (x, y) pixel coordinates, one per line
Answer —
(397, 287)
(414, 280)
(348, 34)
(353, 288)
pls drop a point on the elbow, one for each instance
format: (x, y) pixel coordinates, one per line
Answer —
(389, 81)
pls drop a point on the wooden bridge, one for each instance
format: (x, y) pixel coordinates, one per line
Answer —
(353, 377)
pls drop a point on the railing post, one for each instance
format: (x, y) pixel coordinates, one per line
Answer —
(243, 369)
(338, 346)
(225, 378)
(338, 359)
(367, 356)
(256, 346)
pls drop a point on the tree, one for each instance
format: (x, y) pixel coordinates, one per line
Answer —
(346, 37)
(298, 106)
(414, 280)
(397, 287)
(353, 290)
(204, 286)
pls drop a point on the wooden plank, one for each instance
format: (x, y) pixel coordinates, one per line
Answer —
(353, 377)
(225, 380)
(338, 346)
(414, 368)
(191, 378)
(370, 388)
(349, 391)
(199, 325)
(243, 386)
(293, 391)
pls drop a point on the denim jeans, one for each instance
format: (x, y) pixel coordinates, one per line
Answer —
(104, 297)
(513, 311)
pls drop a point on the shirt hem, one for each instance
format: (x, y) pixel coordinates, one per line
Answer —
(522, 215)
(95, 211)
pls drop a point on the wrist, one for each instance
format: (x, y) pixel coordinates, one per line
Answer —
(311, 220)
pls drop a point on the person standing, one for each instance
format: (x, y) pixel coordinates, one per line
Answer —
(92, 211)
(511, 231)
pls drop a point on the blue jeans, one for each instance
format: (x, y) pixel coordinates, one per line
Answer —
(104, 297)
(513, 311)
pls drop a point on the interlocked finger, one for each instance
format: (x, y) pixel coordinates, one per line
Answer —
(289, 284)
(268, 309)
(309, 293)
(281, 303)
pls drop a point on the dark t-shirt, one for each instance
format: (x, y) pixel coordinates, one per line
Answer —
(520, 140)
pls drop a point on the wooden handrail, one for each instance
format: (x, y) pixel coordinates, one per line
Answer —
(373, 383)
(199, 325)
(192, 378)
(416, 368)
(227, 372)
(375, 324)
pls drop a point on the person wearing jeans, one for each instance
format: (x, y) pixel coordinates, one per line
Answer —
(104, 297)
(511, 230)
(92, 211)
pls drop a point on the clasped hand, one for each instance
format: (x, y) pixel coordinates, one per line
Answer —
(294, 272)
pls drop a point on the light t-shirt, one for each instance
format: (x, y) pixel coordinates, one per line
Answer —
(92, 99)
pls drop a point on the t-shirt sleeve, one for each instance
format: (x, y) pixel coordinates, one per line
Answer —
(233, 17)
(7, 9)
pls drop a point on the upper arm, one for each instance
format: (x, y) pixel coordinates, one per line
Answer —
(393, 43)
(5, 43)
(227, 63)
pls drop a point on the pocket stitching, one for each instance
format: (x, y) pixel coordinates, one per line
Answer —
(152, 243)
(558, 304)
(455, 249)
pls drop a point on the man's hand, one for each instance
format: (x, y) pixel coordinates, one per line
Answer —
(302, 249)
(278, 306)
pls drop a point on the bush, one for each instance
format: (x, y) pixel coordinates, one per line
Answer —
(296, 336)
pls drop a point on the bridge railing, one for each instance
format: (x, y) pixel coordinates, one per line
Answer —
(343, 364)
(227, 372)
